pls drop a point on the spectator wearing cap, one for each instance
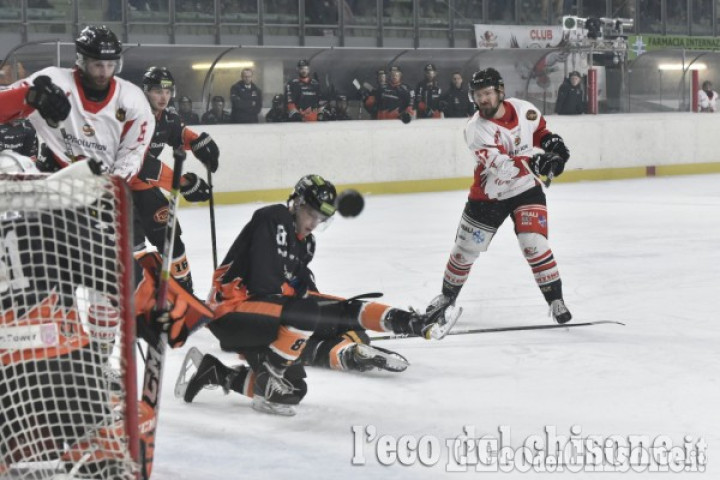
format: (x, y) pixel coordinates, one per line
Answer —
(302, 95)
(277, 112)
(570, 99)
(186, 112)
(245, 99)
(427, 94)
(217, 113)
(395, 99)
(335, 110)
(370, 98)
(455, 102)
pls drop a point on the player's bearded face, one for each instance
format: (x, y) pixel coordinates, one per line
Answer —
(487, 100)
(98, 73)
(308, 219)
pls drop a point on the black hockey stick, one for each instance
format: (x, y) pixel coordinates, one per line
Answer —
(213, 236)
(155, 357)
(472, 331)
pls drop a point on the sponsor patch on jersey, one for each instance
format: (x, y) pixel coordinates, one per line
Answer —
(88, 130)
(161, 215)
(517, 141)
(29, 336)
(531, 115)
(120, 114)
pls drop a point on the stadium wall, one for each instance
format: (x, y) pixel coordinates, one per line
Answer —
(262, 162)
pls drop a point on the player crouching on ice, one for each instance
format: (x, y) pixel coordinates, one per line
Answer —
(268, 309)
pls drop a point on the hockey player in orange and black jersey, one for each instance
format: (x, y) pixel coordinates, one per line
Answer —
(151, 204)
(501, 135)
(427, 95)
(19, 136)
(268, 308)
(392, 100)
(302, 95)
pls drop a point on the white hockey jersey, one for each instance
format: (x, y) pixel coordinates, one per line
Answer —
(116, 131)
(502, 149)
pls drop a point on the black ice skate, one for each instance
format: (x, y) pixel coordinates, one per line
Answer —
(210, 373)
(559, 312)
(272, 393)
(362, 357)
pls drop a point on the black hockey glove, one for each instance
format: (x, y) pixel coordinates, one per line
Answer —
(295, 117)
(405, 117)
(206, 150)
(196, 189)
(545, 163)
(49, 100)
(553, 143)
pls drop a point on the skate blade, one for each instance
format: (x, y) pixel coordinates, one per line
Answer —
(259, 404)
(187, 370)
(440, 330)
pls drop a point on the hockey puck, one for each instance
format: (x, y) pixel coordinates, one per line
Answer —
(350, 203)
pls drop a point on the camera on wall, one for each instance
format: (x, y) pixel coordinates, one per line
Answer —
(594, 28)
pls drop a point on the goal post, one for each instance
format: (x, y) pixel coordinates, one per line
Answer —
(68, 378)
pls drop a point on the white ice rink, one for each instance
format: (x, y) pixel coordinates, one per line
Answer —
(645, 252)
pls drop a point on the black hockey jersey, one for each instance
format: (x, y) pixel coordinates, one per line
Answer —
(268, 258)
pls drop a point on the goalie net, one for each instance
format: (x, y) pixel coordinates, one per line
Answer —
(68, 391)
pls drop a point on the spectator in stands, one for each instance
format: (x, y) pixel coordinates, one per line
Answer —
(707, 98)
(217, 113)
(277, 112)
(186, 112)
(246, 99)
(427, 94)
(455, 102)
(570, 99)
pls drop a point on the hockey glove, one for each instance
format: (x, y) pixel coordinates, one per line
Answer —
(195, 189)
(206, 150)
(546, 163)
(49, 100)
(295, 116)
(405, 117)
(553, 143)
(185, 314)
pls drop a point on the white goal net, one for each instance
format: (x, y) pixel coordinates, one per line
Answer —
(68, 391)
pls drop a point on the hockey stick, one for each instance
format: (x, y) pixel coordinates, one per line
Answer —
(155, 357)
(471, 331)
(213, 236)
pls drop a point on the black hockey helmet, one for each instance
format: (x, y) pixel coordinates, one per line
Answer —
(185, 99)
(430, 68)
(303, 63)
(277, 100)
(316, 192)
(158, 77)
(99, 43)
(486, 78)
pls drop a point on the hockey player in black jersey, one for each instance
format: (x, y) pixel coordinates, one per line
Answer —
(151, 204)
(269, 309)
(302, 95)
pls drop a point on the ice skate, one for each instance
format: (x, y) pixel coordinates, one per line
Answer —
(273, 393)
(559, 312)
(362, 357)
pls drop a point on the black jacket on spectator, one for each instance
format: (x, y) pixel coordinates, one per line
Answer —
(209, 118)
(189, 118)
(455, 103)
(570, 100)
(246, 102)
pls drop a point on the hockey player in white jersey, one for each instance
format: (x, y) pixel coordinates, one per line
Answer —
(86, 111)
(501, 135)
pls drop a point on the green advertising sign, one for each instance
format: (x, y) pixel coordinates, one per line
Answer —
(639, 44)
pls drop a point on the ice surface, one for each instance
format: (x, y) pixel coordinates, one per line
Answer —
(645, 252)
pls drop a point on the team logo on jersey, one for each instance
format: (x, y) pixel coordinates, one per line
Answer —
(531, 115)
(88, 130)
(120, 114)
(517, 141)
(161, 215)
